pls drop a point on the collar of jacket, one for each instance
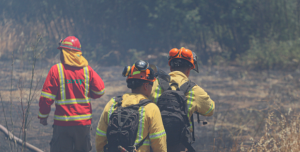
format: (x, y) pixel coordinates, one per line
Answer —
(131, 99)
(178, 74)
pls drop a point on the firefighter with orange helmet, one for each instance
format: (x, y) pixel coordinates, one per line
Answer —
(71, 84)
(181, 62)
(132, 122)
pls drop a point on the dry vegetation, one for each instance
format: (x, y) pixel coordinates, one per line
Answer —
(255, 110)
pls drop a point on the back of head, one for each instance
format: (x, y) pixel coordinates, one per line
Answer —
(180, 65)
(182, 60)
(138, 74)
(135, 83)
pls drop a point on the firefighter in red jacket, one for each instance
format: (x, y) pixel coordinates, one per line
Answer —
(71, 84)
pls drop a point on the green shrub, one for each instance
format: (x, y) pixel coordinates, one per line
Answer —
(272, 55)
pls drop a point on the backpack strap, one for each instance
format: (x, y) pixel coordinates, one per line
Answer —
(144, 102)
(187, 86)
(141, 143)
(164, 84)
(118, 99)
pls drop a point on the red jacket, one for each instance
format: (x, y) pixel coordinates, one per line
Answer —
(72, 89)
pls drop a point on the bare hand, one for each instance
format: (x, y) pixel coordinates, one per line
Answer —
(43, 121)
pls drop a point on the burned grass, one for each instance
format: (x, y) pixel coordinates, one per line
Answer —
(248, 115)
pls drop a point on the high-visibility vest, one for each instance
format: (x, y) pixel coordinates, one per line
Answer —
(72, 97)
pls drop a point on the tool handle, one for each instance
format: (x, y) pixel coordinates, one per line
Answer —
(122, 149)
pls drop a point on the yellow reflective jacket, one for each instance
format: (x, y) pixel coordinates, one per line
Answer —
(152, 124)
(197, 99)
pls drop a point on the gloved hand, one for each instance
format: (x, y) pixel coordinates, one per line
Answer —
(43, 121)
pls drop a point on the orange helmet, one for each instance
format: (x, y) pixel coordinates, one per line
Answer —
(70, 42)
(185, 54)
(139, 70)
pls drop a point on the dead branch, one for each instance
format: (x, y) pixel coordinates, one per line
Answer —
(18, 140)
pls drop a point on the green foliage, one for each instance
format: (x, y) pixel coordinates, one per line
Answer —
(108, 29)
(273, 55)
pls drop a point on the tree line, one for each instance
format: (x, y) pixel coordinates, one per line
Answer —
(115, 31)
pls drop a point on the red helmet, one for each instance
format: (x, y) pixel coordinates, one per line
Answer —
(185, 54)
(70, 42)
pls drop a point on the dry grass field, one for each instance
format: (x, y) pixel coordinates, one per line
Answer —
(255, 110)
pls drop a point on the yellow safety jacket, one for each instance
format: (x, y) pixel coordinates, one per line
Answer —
(197, 99)
(151, 124)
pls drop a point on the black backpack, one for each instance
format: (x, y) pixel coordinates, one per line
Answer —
(173, 107)
(123, 126)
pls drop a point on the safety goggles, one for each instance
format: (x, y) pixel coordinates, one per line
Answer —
(184, 53)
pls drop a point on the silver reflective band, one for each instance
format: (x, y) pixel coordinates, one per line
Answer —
(100, 132)
(72, 118)
(147, 142)
(111, 110)
(42, 116)
(62, 81)
(141, 125)
(72, 101)
(48, 95)
(157, 135)
(87, 80)
(99, 92)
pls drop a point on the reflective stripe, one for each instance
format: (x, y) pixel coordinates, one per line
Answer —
(99, 92)
(111, 110)
(210, 109)
(136, 72)
(73, 118)
(157, 92)
(147, 142)
(48, 95)
(87, 80)
(72, 101)
(157, 134)
(100, 132)
(66, 42)
(189, 104)
(140, 131)
(62, 81)
(42, 116)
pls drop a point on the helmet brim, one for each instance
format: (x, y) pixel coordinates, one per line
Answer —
(60, 47)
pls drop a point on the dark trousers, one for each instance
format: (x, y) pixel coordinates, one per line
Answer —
(71, 139)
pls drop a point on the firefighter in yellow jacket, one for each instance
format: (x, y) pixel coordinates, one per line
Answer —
(111, 135)
(181, 62)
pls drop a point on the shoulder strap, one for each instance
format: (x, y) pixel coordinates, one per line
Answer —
(144, 102)
(164, 84)
(118, 99)
(186, 87)
(141, 143)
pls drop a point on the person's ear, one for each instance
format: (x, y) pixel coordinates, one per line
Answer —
(145, 85)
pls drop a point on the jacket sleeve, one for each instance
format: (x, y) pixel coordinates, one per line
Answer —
(199, 101)
(97, 88)
(155, 92)
(101, 138)
(49, 92)
(157, 132)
